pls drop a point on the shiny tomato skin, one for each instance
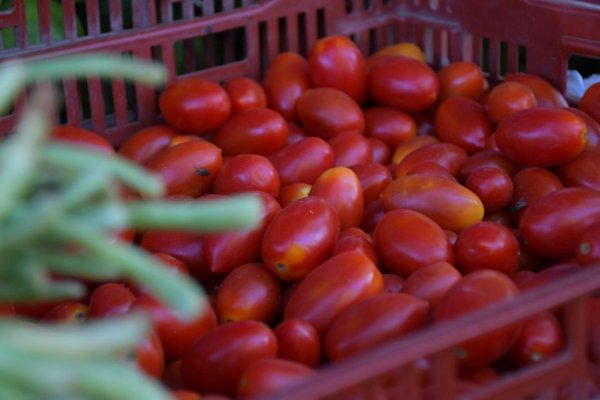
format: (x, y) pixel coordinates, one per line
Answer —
(407, 240)
(186, 246)
(389, 125)
(431, 168)
(590, 100)
(487, 158)
(76, 136)
(195, 105)
(188, 168)
(299, 341)
(291, 249)
(381, 153)
(529, 184)
(325, 112)
(303, 161)
(546, 95)
(146, 143)
(218, 359)
(582, 171)
(259, 131)
(593, 128)
(404, 83)
(475, 291)
(406, 49)
(149, 356)
(461, 78)
(109, 300)
(508, 98)
(245, 94)
(447, 155)
(431, 282)
(373, 322)
(249, 292)
(550, 274)
(407, 147)
(542, 337)
(373, 213)
(355, 242)
(373, 178)
(553, 224)
(336, 62)
(271, 374)
(493, 186)
(68, 312)
(247, 172)
(541, 137)
(293, 192)
(225, 251)
(463, 122)
(285, 81)
(340, 187)
(588, 247)
(350, 148)
(332, 287)
(448, 203)
(486, 245)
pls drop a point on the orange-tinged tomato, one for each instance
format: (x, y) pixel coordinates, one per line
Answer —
(147, 142)
(410, 145)
(245, 94)
(546, 95)
(68, 312)
(461, 79)
(406, 49)
(447, 155)
(508, 98)
(293, 192)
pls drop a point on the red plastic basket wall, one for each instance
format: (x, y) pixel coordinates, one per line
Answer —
(221, 39)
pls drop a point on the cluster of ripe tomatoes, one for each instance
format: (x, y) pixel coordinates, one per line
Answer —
(395, 196)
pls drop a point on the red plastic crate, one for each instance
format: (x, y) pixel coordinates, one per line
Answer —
(222, 39)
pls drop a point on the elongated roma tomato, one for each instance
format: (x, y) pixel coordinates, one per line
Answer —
(448, 203)
(300, 237)
(247, 172)
(542, 337)
(546, 95)
(332, 287)
(389, 125)
(432, 282)
(583, 171)
(588, 247)
(297, 340)
(82, 137)
(529, 184)
(285, 81)
(303, 161)
(270, 374)
(464, 79)
(146, 143)
(245, 94)
(541, 137)
(447, 155)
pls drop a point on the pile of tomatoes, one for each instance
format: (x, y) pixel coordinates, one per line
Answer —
(395, 196)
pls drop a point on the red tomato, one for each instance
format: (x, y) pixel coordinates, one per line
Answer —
(326, 292)
(176, 335)
(546, 95)
(350, 148)
(325, 112)
(392, 283)
(554, 273)
(187, 168)
(508, 98)
(81, 137)
(340, 187)
(590, 100)
(430, 168)
(285, 81)
(217, 360)
(404, 83)
(593, 128)
(249, 292)
(541, 136)
(195, 105)
(298, 340)
(373, 213)
(582, 171)
(303, 161)
(587, 251)
(389, 125)
(247, 172)
(227, 250)
(259, 131)
(110, 299)
(530, 184)
(431, 282)
(402, 49)
(475, 291)
(463, 122)
(410, 145)
(336, 62)
(461, 79)
(171, 377)
(290, 249)
(295, 133)
(487, 158)
(147, 142)
(149, 356)
(185, 246)
(34, 309)
(447, 155)
(186, 395)
(355, 239)
(245, 94)
(493, 186)
(372, 322)
(553, 224)
(593, 328)
(381, 153)
(7, 310)
(68, 312)
(486, 245)
(448, 203)
(271, 374)
(373, 178)
(293, 192)
(407, 240)
(542, 337)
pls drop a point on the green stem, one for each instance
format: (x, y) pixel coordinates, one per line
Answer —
(78, 265)
(12, 82)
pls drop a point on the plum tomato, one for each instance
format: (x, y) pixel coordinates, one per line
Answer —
(542, 337)
(431, 168)
(271, 374)
(546, 95)
(380, 152)
(486, 245)
(146, 143)
(447, 155)
(81, 137)
(508, 98)
(110, 299)
(593, 128)
(355, 239)
(258, 131)
(293, 192)
(372, 322)
(590, 101)
(247, 172)
(373, 178)
(389, 125)
(250, 291)
(303, 161)
(217, 360)
(493, 186)
(332, 287)
(299, 341)
(541, 137)
(290, 249)
(195, 105)
(350, 148)
(392, 283)
(335, 61)
(431, 282)
(582, 171)
(149, 356)
(245, 94)
(407, 240)
(186, 395)
(373, 213)
(487, 158)
(410, 145)
(463, 79)
(68, 312)
(406, 49)
(475, 291)
(325, 112)
(529, 184)
(588, 247)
